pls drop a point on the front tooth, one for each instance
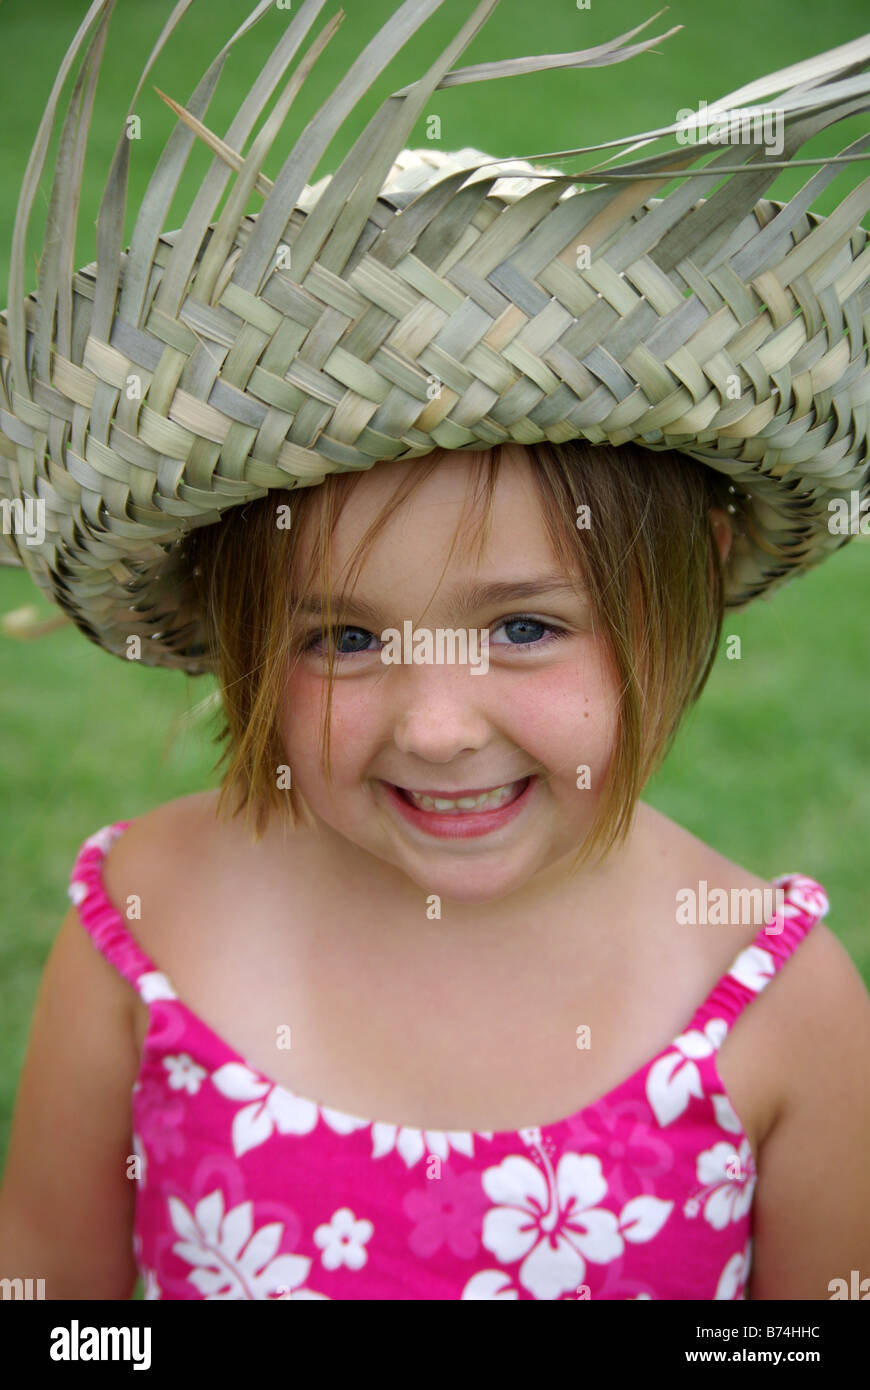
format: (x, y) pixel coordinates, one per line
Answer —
(465, 803)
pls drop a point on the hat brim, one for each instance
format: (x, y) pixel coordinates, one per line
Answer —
(146, 394)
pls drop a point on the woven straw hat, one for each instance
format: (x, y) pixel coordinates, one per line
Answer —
(416, 299)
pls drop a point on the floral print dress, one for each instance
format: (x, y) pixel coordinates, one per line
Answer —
(246, 1190)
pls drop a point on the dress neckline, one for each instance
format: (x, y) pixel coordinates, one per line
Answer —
(162, 990)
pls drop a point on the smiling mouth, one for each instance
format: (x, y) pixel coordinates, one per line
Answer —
(482, 799)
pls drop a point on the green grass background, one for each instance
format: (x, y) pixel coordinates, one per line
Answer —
(770, 768)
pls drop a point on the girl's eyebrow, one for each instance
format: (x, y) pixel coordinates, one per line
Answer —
(461, 601)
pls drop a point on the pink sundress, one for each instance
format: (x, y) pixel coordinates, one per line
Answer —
(249, 1191)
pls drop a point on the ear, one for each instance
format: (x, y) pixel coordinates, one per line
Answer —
(722, 530)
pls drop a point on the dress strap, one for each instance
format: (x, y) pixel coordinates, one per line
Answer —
(801, 904)
(101, 919)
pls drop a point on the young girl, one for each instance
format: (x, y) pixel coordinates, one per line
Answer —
(449, 1012)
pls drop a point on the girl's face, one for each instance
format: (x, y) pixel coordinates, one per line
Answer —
(543, 707)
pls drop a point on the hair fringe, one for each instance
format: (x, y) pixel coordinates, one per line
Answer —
(649, 561)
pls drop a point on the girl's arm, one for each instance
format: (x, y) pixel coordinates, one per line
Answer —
(812, 1201)
(66, 1204)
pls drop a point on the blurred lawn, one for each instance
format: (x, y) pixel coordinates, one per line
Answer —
(770, 768)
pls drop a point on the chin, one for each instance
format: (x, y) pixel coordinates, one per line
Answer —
(470, 883)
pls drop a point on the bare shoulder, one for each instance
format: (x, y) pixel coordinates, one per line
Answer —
(760, 1051)
(812, 1201)
(798, 1062)
(194, 875)
(819, 956)
(807, 1013)
(679, 858)
(157, 851)
(163, 826)
(822, 998)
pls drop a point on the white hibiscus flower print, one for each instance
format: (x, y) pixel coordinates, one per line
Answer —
(728, 1178)
(674, 1077)
(753, 968)
(103, 839)
(726, 1115)
(184, 1073)
(490, 1284)
(231, 1260)
(414, 1144)
(153, 985)
(77, 891)
(735, 1273)
(805, 894)
(343, 1240)
(272, 1108)
(551, 1221)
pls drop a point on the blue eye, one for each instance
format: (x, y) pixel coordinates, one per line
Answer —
(314, 641)
(362, 637)
(523, 621)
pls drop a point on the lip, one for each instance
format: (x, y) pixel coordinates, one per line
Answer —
(451, 825)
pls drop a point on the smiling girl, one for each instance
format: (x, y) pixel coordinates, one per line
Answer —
(407, 1007)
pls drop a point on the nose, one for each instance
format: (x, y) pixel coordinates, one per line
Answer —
(439, 712)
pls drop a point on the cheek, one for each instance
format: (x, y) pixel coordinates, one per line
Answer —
(299, 717)
(564, 717)
(303, 715)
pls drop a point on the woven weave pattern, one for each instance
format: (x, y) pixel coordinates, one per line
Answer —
(250, 353)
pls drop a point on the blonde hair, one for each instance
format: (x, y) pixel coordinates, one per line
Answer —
(649, 561)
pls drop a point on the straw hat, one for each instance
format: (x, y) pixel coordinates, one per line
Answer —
(417, 299)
